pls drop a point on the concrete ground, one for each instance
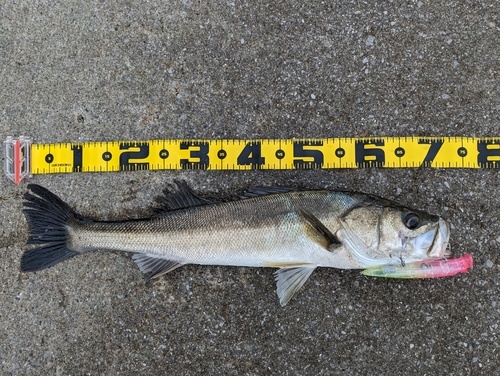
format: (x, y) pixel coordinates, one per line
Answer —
(117, 70)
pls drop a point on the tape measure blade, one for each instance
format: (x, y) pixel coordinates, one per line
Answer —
(275, 154)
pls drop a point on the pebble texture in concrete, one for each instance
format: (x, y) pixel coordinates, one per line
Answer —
(117, 70)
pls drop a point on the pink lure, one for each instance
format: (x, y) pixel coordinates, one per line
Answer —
(423, 269)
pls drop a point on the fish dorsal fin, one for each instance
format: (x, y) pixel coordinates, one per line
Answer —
(290, 280)
(320, 234)
(264, 191)
(182, 198)
(154, 266)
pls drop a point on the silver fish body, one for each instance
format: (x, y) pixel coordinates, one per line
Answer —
(295, 231)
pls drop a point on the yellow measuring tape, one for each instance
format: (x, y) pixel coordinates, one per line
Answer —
(22, 157)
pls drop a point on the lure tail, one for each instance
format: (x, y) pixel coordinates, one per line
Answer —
(48, 219)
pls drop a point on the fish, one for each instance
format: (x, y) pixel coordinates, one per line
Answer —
(293, 230)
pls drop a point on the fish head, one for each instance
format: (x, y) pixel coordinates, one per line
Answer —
(379, 232)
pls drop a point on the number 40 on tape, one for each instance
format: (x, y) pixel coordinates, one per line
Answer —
(23, 158)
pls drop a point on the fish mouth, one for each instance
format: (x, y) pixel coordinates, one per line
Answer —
(445, 234)
(434, 243)
(444, 238)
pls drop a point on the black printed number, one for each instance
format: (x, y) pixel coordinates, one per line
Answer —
(197, 150)
(77, 157)
(369, 156)
(126, 156)
(435, 145)
(301, 150)
(251, 155)
(489, 154)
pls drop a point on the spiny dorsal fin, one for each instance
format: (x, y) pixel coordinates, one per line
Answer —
(321, 234)
(153, 265)
(290, 280)
(182, 198)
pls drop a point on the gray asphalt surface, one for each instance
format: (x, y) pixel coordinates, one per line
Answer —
(95, 70)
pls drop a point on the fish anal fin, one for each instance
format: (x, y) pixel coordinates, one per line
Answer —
(290, 280)
(182, 198)
(154, 266)
(317, 231)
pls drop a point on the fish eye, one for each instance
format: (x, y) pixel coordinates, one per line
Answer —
(411, 221)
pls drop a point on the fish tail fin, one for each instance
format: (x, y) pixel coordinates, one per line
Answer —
(49, 220)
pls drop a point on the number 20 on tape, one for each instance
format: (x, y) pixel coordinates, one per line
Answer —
(24, 158)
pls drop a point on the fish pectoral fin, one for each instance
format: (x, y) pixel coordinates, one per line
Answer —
(154, 266)
(290, 280)
(318, 233)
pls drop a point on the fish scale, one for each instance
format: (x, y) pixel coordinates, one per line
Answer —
(226, 234)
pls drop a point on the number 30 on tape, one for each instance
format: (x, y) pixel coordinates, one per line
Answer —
(24, 158)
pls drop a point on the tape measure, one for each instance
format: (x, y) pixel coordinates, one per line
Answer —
(24, 158)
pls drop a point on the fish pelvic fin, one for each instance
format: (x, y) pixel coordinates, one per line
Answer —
(154, 266)
(49, 220)
(290, 280)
